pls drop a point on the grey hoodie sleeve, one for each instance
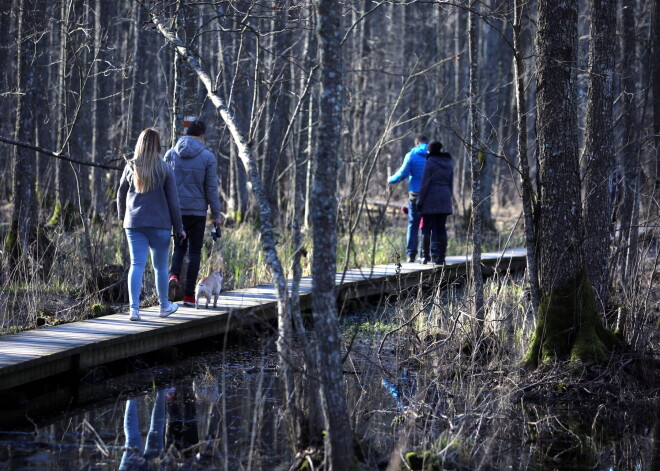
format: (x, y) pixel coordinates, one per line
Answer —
(172, 196)
(211, 186)
(122, 191)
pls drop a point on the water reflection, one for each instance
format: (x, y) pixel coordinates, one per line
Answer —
(223, 413)
(133, 458)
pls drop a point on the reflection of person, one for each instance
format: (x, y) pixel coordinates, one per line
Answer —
(434, 200)
(195, 168)
(133, 456)
(181, 421)
(148, 205)
(207, 395)
(412, 167)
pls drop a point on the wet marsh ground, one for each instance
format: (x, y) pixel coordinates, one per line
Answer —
(418, 399)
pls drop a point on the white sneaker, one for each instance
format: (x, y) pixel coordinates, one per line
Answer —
(135, 315)
(169, 309)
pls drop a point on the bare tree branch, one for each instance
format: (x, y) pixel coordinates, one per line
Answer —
(57, 155)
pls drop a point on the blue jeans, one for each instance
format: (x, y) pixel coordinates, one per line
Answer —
(132, 457)
(141, 240)
(412, 236)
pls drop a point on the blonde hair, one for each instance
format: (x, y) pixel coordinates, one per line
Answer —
(149, 168)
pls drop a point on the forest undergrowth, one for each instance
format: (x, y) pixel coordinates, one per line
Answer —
(456, 402)
(76, 276)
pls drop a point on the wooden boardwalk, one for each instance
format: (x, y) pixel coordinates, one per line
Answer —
(37, 354)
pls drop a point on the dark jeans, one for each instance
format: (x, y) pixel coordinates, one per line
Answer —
(434, 227)
(412, 236)
(194, 227)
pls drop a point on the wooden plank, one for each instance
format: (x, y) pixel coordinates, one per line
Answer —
(36, 354)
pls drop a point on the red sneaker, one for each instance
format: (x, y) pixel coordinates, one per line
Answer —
(174, 282)
(189, 300)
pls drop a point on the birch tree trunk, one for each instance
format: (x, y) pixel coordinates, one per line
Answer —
(339, 441)
(268, 243)
(599, 147)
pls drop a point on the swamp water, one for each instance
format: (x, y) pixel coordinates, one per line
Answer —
(222, 411)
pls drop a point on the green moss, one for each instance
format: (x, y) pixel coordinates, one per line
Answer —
(568, 327)
(98, 310)
(63, 215)
(55, 218)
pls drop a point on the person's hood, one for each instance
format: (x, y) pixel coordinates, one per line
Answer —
(188, 147)
(420, 149)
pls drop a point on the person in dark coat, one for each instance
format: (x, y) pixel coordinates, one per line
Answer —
(435, 200)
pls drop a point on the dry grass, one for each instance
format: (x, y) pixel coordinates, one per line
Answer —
(475, 408)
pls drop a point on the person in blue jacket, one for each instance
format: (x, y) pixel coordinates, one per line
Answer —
(412, 168)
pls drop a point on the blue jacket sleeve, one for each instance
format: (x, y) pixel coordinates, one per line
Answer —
(404, 170)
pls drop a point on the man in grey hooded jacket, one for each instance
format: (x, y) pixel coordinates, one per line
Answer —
(195, 169)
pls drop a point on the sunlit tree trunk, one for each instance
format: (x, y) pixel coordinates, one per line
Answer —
(339, 441)
(599, 146)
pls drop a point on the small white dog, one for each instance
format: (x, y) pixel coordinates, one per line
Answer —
(207, 287)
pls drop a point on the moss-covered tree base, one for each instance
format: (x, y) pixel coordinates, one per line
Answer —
(66, 216)
(568, 327)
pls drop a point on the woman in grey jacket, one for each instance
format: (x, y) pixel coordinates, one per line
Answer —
(434, 200)
(148, 205)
